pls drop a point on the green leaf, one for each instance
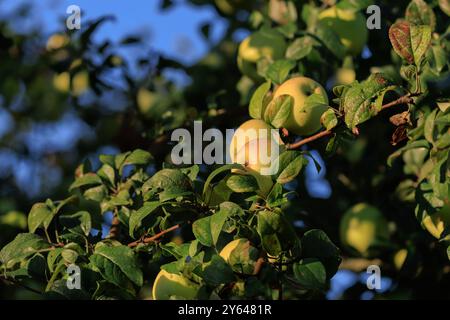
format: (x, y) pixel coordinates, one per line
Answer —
(89, 179)
(23, 246)
(217, 271)
(310, 274)
(410, 42)
(242, 183)
(361, 101)
(411, 145)
(419, 13)
(139, 215)
(277, 234)
(300, 48)
(316, 244)
(279, 70)
(124, 259)
(331, 40)
(329, 119)
(168, 184)
(81, 219)
(279, 110)
(202, 231)
(429, 128)
(138, 157)
(216, 172)
(290, 164)
(217, 222)
(107, 173)
(256, 105)
(38, 214)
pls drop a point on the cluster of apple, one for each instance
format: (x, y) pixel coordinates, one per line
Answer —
(304, 120)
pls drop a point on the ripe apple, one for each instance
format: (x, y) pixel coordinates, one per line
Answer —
(304, 118)
(173, 286)
(349, 25)
(245, 148)
(362, 227)
(436, 223)
(269, 44)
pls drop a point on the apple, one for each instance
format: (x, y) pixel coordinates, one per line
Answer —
(304, 118)
(173, 286)
(362, 227)
(400, 258)
(269, 44)
(436, 223)
(245, 147)
(230, 7)
(349, 25)
(57, 41)
(241, 255)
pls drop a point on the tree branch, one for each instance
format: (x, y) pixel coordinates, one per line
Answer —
(302, 142)
(155, 237)
(402, 100)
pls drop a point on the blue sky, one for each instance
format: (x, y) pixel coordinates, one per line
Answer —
(162, 30)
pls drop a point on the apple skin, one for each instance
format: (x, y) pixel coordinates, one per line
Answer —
(436, 223)
(361, 227)
(303, 121)
(268, 44)
(349, 25)
(241, 153)
(169, 286)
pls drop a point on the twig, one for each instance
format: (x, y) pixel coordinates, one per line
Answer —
(302, 142)
(402, 100)
(258, 266)
(155, 237)
(405, 99)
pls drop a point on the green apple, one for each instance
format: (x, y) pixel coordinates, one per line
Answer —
(305, 117)
(436, 223)
(362, 227)
(349, 25)
(269, 44)
(173, 286)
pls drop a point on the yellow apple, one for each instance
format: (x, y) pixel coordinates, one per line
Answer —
(304, 119)
(173, 286)
(349, 25)
(400, 258)
(269, 44)
(247, 147)
(363, 226)
(436, 223)
(57, 41)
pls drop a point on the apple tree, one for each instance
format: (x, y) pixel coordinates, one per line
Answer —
(373, 103)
